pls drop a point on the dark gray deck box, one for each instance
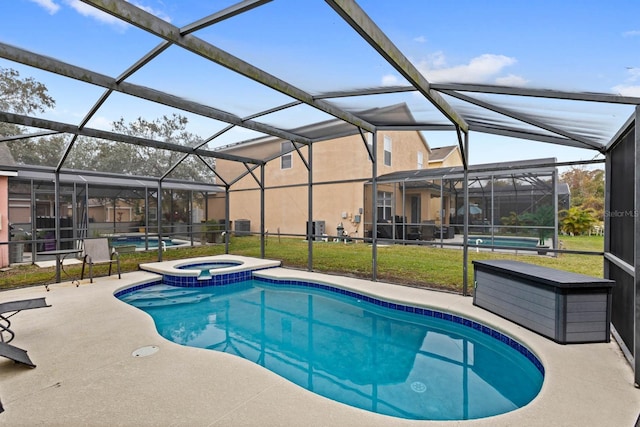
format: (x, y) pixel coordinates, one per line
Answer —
(566, 307)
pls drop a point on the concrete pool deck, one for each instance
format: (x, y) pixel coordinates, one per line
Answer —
(87, 373)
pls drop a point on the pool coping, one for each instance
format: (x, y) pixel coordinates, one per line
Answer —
(93, 378)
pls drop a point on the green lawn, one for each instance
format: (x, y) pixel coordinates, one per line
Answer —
(410, 265)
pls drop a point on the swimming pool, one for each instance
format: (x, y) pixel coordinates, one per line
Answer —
(139, 242)
(488, 241)
(393, 359)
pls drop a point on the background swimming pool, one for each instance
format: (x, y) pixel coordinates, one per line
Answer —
(518, 242)
(400, 364)
(139, 241)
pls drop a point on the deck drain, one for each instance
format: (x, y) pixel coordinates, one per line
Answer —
(145, 351)
(418, 387)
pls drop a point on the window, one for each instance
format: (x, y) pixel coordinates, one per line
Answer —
(286, 159)
(387, 151)
(384, 205)
(420, 159)
(370, 141)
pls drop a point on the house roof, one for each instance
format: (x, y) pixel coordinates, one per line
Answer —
(540, 166)
(267, 148)
(6, 159)
(104, 185)
(439, 154)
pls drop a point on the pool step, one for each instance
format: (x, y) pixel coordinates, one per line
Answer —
(164, 301)
(161, 293)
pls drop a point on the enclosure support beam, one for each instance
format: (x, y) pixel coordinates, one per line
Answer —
(227, 222)
(52, 65)
(310, 238)
(636, 221)
(140, 18)
(554, 183)
(23, 120)
(159, 216)
(369, 31)
(57, 215)
(493, 208)
(442, 212)
(374, 207)
(465, 243)
(146, 218)
(526, 119)
(262, 249)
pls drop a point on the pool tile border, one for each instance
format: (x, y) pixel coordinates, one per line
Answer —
(505, 339)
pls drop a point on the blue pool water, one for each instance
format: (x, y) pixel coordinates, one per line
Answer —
(139, 242)
(387, 358)
(519, 242)
(212, 265)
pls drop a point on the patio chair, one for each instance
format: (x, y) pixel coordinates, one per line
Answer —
(14, 307)
(16, 354)
(97, 251)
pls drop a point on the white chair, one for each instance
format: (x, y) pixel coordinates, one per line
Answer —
(96, 251)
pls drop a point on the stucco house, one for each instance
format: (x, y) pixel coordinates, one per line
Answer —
(6, 159)
(341, 169)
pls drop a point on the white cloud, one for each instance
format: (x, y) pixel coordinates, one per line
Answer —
(90, 11)
(100, 122)
(481, 69)
(632, 33)
(627, 90)
(420, 39)
(436, 60)
(152, 11)
(49, 5)
(511, 80)
(390, 80)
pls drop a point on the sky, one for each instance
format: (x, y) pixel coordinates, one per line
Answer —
(586, 45)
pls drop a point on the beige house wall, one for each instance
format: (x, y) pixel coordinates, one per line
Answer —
(286, 209)
(4, 220)
(453, 159)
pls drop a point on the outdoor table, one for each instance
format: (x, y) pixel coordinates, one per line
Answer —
(60, 255)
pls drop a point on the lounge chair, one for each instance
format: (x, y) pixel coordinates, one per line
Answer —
(16, 354)
(97, 251)
(14, 307)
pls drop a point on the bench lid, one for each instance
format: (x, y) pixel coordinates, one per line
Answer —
(538, 273)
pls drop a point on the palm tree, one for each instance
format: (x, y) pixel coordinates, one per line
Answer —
(544, 217)
(577, 220)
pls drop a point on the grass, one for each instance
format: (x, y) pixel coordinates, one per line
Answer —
(421, 266)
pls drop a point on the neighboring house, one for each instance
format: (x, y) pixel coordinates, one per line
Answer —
(5, 159)
(341, 170)
(442, 157)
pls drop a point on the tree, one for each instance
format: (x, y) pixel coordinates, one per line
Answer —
(21, 96)
(576, 220)
(587, 189)
(543, 217)
(152, 161)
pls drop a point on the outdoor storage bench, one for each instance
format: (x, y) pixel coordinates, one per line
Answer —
(563, 306)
